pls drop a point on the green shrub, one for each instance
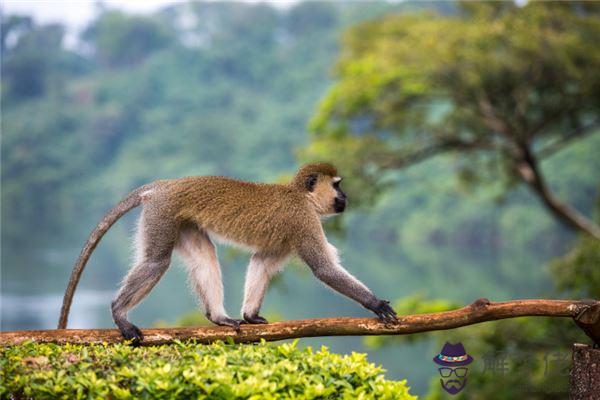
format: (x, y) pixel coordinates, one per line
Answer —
(190, 370)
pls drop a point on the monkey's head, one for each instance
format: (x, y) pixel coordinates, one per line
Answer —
(321, 184)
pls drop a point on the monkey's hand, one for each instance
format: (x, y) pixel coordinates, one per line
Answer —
(384, 311)
(254, 319)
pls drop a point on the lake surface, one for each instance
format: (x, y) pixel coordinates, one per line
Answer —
(19, 311)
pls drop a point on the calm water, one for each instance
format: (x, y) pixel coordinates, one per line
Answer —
(41, 311)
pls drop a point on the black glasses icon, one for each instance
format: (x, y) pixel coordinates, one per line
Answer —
(447, 372)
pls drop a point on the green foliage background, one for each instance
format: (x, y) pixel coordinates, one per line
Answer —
(232, 92)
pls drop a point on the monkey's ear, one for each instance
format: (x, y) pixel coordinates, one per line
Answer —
(311, 181)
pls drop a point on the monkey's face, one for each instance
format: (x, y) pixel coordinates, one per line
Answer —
(340, 200)
(326, 194)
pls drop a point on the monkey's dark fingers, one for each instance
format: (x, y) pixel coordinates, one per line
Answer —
(238, 327)
(385, 312)
(226, 321)
(391, 318)
(387, 318)
(254, 319)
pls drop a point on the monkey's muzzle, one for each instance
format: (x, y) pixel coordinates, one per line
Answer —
(339, 204)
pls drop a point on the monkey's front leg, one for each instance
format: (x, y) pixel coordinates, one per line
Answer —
(322, 259)
(260, 270)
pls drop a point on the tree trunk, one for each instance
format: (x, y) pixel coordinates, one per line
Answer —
(585, 373)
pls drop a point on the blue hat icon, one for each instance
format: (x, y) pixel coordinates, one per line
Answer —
(453, 355)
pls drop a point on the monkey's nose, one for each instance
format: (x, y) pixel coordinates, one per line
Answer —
(339, 204)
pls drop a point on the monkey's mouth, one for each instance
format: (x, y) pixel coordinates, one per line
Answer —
(339, 205)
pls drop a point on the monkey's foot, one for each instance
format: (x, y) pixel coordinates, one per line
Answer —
(131, 332)
(226, 321)
(254, 319)
(385, 312)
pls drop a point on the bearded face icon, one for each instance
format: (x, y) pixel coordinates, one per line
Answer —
(453, 371)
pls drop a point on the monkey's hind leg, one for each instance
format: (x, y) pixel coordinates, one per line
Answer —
(260, 271)
(200, 256)
(153, 256)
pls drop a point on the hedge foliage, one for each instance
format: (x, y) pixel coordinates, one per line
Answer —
(190, 370)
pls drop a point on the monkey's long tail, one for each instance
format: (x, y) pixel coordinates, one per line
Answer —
(131, 201)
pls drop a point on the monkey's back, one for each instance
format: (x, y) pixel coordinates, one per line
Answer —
(263, 217)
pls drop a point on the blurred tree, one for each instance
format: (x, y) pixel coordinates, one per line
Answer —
(312, 17)
(33, 60)
(503, 85)
(577, 273)
(123, 40)
(13, 26)
(233, 51)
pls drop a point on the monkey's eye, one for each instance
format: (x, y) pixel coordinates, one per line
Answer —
(311, 181)
(336, 183)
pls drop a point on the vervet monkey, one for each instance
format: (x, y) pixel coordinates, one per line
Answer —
(274, 221)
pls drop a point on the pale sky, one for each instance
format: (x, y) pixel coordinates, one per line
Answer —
(76, 14)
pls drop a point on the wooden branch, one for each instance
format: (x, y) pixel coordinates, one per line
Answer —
(586, 313)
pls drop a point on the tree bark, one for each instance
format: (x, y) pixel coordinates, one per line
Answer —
(586, 313)
(585, 373)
